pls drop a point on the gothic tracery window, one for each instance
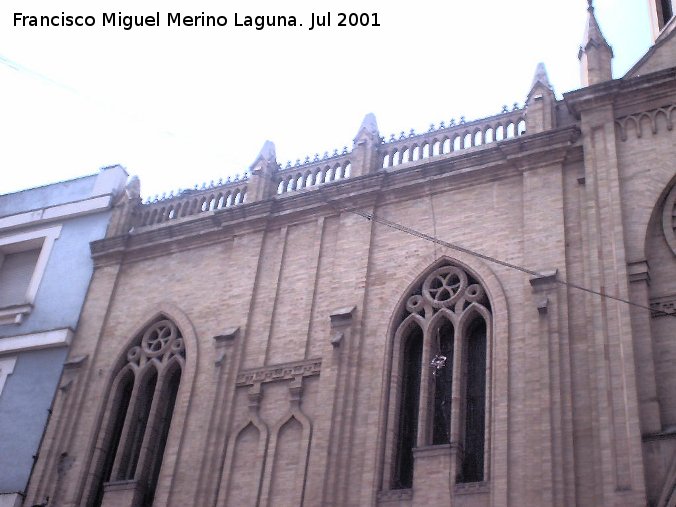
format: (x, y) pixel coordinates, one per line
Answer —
(138, 416)
(438, 384)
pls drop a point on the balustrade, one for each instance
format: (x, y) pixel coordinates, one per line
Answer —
(455, 137)
(406, 149)
(312, 173)
(193, 202)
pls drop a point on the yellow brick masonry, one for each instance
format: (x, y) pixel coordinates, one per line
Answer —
(581, 388)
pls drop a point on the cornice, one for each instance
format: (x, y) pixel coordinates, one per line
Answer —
(622, 93)
(496, 161)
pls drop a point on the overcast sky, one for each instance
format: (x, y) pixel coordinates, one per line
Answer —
(181, 105)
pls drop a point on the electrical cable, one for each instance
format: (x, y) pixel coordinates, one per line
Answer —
(413, 232)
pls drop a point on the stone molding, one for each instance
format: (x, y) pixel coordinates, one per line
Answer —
(620, 93)
(663, 306)
(279, 372)
(637, 120)
(638, 271)
(669, 219)
(467, 167)
(395, 495)
(471, 488)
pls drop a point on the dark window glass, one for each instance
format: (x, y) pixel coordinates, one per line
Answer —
(167, 409)
(443, 381)
(408, 410)
(667, 12)
(475, 403)
(120, 406)
(138, 428)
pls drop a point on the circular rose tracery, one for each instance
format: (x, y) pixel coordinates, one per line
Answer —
(162, 340)
(158, 338)
(669, 219)
(444, 286)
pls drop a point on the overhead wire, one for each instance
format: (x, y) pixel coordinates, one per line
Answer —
(453, 246)
(394, 225)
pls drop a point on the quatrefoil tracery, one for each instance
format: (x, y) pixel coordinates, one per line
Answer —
(161, 341)
(444, 286)
(448, 287)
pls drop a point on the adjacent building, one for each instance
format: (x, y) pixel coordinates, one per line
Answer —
(45, 270)
(478, 315)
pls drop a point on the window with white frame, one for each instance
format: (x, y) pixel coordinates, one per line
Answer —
(23, 259)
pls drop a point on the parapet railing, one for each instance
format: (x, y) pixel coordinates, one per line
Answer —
(314, 172)
(407, 148)
(454, 137)
(192, 202)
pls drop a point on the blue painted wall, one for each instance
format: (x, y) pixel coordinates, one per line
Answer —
(50, 195)
(64, 285)
(24, 409)
(30, 389)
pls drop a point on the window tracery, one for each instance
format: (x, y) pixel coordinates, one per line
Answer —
(438, 387)
(137, 420)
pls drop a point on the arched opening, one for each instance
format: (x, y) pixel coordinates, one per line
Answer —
(161, 430)
(136, 423)
(475, 403)
(521, 127)
(408, 409)
(440, 401)
(510, 130)
(478, 139)
(120, 405)
(443, 383)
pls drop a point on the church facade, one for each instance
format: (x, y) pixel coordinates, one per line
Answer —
(479, 315)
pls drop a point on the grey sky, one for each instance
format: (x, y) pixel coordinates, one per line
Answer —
(181, 106)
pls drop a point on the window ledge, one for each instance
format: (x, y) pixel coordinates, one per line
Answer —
(47, 339)
(395, 495)
(471, 488)
(14, 314)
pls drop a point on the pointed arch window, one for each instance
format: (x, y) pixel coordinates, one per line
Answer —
(139, 412)
(438, 387)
